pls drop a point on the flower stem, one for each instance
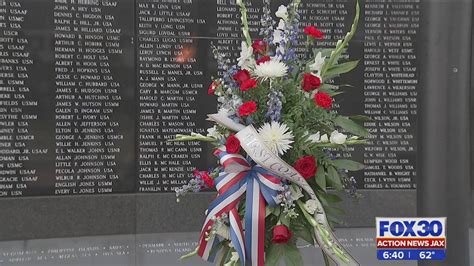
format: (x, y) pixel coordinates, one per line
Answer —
(245, 24)
(189, 255)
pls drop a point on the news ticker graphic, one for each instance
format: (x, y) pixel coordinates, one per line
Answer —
(408, 238)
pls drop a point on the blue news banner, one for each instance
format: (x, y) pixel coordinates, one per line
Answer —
(411, 238)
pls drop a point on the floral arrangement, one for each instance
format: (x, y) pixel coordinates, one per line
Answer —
(275, 136)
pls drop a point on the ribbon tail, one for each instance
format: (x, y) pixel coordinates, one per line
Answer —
(206, 247)
(223, 204)
(237, 234)
(254, 224)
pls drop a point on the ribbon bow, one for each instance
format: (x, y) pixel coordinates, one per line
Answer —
(261, 188)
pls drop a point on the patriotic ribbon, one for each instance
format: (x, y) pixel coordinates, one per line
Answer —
(261, 188)
(261, 154)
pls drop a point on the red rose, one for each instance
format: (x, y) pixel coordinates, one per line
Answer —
(259, 47)
(232, 145)
(313, 32)
(323, 100)
(213, 87)
(241, 76)
(281, 234)
(306, 166)
(204, 175)
(248, 108)
(310, 82)
(248, 84)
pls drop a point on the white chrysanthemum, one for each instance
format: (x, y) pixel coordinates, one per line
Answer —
(246, 59)
(271, 69)
(318, 63)
(276, 136)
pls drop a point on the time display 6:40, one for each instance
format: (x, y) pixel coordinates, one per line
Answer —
(410, 254)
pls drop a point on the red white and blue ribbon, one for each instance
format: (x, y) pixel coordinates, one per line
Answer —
(261, 188)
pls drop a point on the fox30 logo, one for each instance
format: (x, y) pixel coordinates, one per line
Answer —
(411, 238)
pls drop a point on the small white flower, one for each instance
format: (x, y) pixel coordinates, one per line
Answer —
(296, 192)
(276, 136)
(246, 59)
(282, 12)
(280, 50)
(271, 69)
(318, 63)
(277, 37)
(238, 2)
(224, 111)
(281, 25)
(234, 258)
(213, 132)
(223, 231)
(324, 138)
(337, 138)
(315, 138)
(310, 206)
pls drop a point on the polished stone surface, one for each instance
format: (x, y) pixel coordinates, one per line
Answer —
(75, 216)
(158, 249)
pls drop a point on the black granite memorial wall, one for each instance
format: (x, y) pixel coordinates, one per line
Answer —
(90, 90)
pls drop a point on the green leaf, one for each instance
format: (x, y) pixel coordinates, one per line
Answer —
(331, 92)
(333, 198)
(223, 258)
(326, 86)
(360, 118)
(321, 178)
(302, 231)
(347, 164)
(292, 256)
(284, 219)
(341, 46)
(341, 68)
(333, 178)
(351, 126)
(334, 211)
(274, 254)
